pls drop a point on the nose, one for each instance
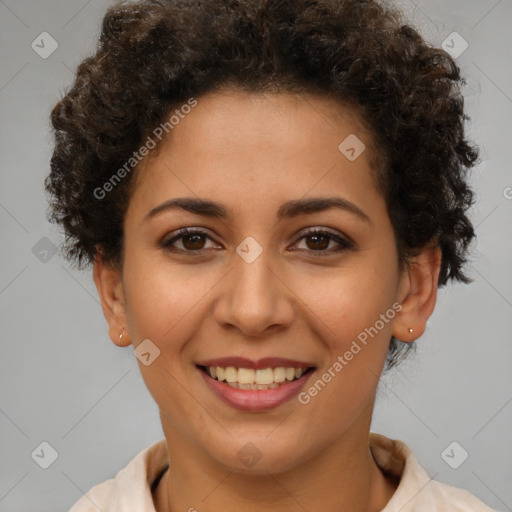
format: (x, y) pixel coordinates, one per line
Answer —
(254, 298)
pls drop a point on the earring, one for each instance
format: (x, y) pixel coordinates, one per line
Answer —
(410, 331)
(121, 337)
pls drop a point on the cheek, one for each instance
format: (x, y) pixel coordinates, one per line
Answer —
(351, 298)
(353, 311)
(165, 303)
(164, 299)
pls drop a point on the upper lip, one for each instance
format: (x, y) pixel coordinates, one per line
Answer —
(266, 362)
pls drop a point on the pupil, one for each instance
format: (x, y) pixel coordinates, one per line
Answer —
(319, 245)
(196, 242)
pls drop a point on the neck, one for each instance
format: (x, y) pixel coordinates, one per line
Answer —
(344, 476)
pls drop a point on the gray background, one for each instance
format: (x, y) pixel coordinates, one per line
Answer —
(62, 381)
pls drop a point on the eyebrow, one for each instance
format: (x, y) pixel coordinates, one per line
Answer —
(287, 210)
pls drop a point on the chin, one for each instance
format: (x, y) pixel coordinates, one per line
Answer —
(249, 460)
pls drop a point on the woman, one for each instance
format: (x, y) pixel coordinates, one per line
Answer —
(270, 194)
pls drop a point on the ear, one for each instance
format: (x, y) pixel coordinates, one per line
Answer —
(418, 293)
(109, 284)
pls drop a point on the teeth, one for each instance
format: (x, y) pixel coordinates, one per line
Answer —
(290, 373)
(221, 374)
(246, 375)
(280, 374)
(248, 378)
(231, 374)
(265, 376)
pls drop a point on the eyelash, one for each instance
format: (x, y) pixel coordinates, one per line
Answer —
(344, 243)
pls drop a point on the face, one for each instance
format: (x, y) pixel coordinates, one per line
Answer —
(266, 271)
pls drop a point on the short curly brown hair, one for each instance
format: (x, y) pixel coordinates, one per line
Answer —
(154, 55)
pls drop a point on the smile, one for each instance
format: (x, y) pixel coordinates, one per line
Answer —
(249, 378)
(255, 389)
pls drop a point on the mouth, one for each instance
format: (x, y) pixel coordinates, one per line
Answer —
(255, 387)
(250, 378)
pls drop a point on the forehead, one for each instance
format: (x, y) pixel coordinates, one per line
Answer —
(280, 119)
(244, 146)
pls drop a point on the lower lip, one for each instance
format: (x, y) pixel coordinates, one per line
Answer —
(255, 399)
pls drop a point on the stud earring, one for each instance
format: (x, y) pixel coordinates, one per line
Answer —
(121, 337)
(411, 331)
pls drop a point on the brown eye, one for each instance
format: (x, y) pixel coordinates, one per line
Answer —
(188, 241)
(319, 241)
(193, 242)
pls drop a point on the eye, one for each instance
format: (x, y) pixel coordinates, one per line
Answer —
(192, 241)
(320, 240)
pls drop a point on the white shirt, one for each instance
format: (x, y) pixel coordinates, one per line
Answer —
(130, 490)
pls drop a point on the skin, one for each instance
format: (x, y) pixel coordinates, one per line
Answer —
(252, 152)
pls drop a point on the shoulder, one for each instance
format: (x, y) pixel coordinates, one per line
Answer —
(454, 499)
(416, 491)
(130, 489)
(96, 497)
